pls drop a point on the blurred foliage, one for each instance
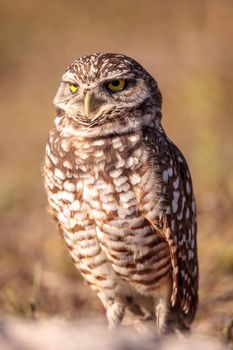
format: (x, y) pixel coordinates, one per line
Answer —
(187, 47)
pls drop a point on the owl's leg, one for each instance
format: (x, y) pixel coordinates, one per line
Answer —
(115, 309)
(160, 314)
(115, 312)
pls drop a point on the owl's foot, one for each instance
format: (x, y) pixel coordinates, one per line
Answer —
(160, 315)
(115, 313)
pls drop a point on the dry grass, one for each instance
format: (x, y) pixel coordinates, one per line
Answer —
(187, 47)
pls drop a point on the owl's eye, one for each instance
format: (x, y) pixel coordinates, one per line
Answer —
(116, 85)
(73, 88)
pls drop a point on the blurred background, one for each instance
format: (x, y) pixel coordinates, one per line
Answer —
(187, 47)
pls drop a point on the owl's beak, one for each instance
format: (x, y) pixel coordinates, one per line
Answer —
(92, 104)
(87, 103)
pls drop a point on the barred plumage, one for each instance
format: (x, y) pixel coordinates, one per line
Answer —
(122, 193)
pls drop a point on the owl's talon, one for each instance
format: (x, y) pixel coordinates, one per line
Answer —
(115, 313)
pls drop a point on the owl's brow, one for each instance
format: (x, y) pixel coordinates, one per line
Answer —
(67, 78)
(123, 75)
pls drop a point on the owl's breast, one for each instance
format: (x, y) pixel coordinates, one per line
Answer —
(123, 204)
(113, 191)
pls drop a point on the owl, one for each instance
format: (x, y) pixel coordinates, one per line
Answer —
(121, 192)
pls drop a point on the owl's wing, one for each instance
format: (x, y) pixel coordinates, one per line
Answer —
(178, 223)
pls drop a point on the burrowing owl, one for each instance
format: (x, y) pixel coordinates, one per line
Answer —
(121, 192)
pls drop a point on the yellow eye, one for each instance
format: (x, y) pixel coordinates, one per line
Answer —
(116, 85)
(73, 88)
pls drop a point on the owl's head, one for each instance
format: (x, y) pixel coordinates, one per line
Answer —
(100, 88)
